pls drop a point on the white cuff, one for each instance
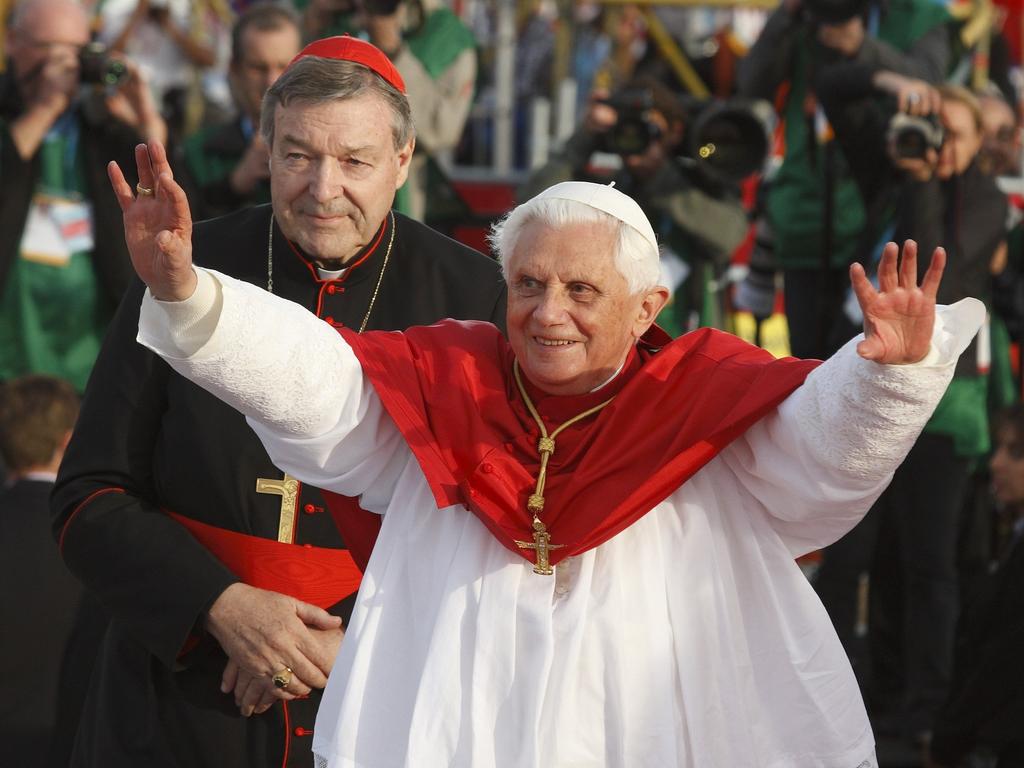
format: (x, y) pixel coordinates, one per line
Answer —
(179, 329)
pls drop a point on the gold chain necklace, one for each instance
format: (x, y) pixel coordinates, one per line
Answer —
(380, 277)
(535, 504)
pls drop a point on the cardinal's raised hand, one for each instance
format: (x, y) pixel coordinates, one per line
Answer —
(899, 316)
(157, 224)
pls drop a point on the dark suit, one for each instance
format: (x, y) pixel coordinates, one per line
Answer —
(987, 701)
(38, 601)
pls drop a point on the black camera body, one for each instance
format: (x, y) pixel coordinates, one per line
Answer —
(911, 136)
(97, 67)
(726, 140)
(633, 132)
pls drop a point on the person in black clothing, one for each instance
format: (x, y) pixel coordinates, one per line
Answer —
(216, 569)
(986, 704)
(38, 596)
(227, 166)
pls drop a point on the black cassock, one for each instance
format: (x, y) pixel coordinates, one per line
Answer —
(38, 602)
(149, 442)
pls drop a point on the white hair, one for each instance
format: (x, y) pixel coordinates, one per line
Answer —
(635, 257)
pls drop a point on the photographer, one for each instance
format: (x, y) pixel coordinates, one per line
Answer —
(436, 55)
(168, 42)
(61, 274)
(698, 217)
(923, 164)
(813, 205)
(228, 164)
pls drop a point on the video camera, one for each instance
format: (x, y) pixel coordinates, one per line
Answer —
(724, 139)
(911, 136)
(97, 67)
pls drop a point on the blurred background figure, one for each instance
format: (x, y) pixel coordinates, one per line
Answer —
(172, 43)
(1000, 142)
(986, 704)
(227, 165)
(66, 110)
(38, 595)
(813, 206)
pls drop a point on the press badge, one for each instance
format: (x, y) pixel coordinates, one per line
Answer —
(56, 228)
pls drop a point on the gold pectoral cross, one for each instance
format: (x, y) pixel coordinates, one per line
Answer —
(288, 489)
(542, 545)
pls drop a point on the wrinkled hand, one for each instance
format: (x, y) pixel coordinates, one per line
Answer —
(263, 632)
(157, 227)
(255, 695)
(899, 316)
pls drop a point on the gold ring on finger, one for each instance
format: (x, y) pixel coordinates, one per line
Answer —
(282, 678)
(143, 191)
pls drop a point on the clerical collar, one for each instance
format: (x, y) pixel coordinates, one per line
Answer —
(351, 270)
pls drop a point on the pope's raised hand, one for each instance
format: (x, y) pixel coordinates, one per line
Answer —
(899, 316)
(157, 224)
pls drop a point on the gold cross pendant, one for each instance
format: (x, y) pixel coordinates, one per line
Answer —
(542, 545)
(288, 489)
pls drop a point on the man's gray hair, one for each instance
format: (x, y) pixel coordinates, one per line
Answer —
(635, 256)
(315, 80)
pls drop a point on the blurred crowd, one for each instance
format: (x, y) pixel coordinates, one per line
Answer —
(771, 149)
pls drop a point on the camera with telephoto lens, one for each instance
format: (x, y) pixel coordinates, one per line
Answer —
(97, 67)
(633, 131)
(911, 136)
(726, 140)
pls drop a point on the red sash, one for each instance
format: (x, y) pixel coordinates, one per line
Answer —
(678, 403)
(315, 575)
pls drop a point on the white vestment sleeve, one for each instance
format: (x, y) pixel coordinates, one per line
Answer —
(291, 374)
(822, 458)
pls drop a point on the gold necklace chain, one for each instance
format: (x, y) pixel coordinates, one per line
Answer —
(376, 288)
(546, 447)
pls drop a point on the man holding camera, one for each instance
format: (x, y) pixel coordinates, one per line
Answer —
(60, 280)
(812, 203)
(698, 217)
(228, 165)
(921, 168)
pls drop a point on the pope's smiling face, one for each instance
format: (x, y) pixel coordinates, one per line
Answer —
(571, 316)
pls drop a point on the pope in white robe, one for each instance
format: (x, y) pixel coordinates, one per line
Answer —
(690, 637)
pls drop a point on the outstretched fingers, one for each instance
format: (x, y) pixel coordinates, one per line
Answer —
(887, 278)
(862, 287)
(144, 167)
(908, 265)
(122, 189)
(932, 278)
